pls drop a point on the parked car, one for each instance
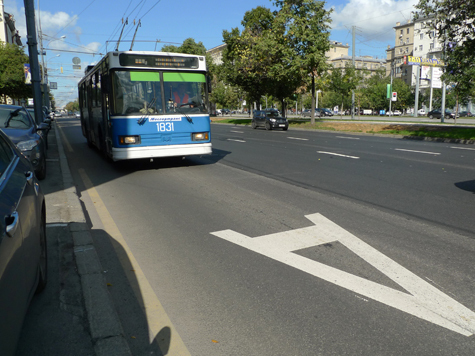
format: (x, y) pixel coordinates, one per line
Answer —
(225, 111)
(437, 113)
(421, 112)
(23, 253)
(394, 113)
(46, 120)
(270, 119)
(308, 113)
(465, 114)
(327, 112)
(19, 126)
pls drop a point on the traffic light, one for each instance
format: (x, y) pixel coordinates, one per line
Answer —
(394, 96)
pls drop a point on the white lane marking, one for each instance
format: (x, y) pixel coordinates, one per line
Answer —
(348, 138)
(425, 152)
(424, 301)
(230, 139)
(463, 148)
(337, 154)
(297, 138)
(237, 131)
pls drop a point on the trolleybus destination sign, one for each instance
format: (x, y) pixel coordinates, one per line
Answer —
(417, 61)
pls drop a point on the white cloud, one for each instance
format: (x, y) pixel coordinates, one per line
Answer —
(374, 19)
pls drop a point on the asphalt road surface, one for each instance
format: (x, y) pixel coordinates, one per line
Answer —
(287, 243)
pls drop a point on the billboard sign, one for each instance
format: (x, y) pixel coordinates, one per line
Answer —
(417, 61)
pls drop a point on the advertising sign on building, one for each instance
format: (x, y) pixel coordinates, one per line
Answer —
(436, 74)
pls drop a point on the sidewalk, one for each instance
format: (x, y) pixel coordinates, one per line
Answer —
(74, 315)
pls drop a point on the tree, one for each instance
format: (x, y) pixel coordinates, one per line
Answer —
(12, 74)
(305, 40)
(246, 59)
(343, 81)
(72, 106)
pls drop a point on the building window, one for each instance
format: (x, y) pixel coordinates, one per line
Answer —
(402, 31)
(422, 36)
(431, 46)
(400, 42)
(408, 30)
(407, 49)
(420, 48)
(407, 40)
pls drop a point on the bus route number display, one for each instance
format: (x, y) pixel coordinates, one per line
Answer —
(137, 60)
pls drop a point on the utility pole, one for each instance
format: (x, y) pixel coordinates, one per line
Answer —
(416, 103)
(33, 54)
(353, 63)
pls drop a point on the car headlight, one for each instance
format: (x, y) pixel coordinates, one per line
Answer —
(27, 145)
(273, 120)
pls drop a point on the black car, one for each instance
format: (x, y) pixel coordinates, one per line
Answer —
(327, 112)
(46, 119)
(19, 126)
(23, 252)
(465, 114)
(270, 119)
(437, 113)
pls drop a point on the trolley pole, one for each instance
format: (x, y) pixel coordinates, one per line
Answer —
(33, 54)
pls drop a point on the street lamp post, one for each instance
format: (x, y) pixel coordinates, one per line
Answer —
(43, 62)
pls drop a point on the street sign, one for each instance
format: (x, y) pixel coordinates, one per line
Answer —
(394, 96)
(421, 298)
(53, 85)
(76, 60)
(76, 67)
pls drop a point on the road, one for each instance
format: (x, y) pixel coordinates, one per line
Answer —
(287, 243)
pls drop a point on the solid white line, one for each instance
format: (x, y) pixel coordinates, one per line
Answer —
(429, 153)
(230, 139)
(349, 138)
(338, 154)
(297, 138)
(237, 131)
(463, 148)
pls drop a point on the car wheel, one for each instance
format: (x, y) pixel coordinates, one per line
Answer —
(285, 128)
(268, 126)
(41, 174)
(431, 117)
(253, 124)
(43, 262)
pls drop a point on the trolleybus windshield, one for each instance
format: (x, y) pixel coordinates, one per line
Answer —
(156, 93)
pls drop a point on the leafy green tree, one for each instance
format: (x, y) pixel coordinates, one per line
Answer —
(304, 41)
(246, 58)
(12, 74)
(343, 81)
(72, 106)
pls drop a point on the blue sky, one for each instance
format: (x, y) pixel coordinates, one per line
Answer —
(89, 24)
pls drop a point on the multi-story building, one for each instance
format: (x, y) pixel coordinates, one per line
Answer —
(404, 46)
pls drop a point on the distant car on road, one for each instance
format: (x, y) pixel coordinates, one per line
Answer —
(327, 112)
(225, 111)
(393, 113)
(437, 114)
(19, 126)
(465, 114)
(23, 252)
(269, 119)
(308, 113)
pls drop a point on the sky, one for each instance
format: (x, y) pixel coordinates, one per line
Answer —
(86, 29)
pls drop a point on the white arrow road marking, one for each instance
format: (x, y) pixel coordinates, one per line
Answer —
(425, 301)
(230, 139)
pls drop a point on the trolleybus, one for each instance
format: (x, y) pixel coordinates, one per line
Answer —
(146, 104)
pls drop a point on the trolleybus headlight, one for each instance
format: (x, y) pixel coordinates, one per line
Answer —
(129, 140)
(200, 136)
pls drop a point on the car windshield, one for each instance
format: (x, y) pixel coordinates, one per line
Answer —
(144, 92)
(14, 118)
(272, 114)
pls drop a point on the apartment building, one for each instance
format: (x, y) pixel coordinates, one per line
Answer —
(404, 46)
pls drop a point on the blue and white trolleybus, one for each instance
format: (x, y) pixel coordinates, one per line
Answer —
(146, 104)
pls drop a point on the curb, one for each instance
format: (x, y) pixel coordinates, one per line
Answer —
(104, 325)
